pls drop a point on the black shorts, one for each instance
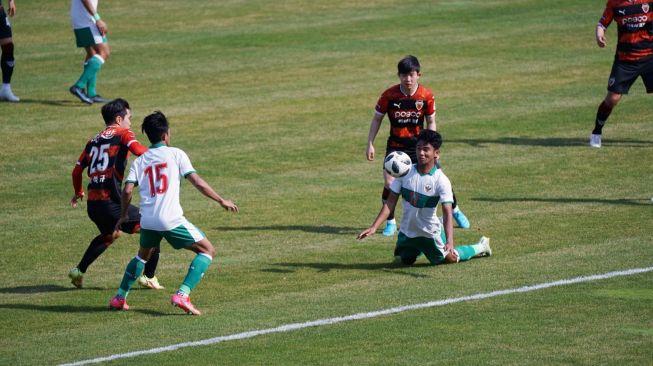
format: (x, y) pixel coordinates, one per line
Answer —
(105, 215)
(624, 74)
(5, 26)
(411, 152)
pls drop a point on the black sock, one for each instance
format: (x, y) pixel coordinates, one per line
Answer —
(7, 62)
(150, 266)
(384, 197)
(602, 115)
(97, 246)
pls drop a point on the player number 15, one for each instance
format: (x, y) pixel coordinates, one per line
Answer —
(156, 175)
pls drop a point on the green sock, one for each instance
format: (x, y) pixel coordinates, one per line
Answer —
(132, 272)
(83, 78)
(465, 252)
(95, 64)
(196, 271)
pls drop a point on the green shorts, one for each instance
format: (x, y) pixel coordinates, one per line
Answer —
(88, 37)
(410, 248)
(181, 237)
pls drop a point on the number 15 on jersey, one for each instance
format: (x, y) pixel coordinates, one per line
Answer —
(157, 178)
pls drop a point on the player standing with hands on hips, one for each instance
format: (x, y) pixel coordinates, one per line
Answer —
(408, 105)
(90, 34)
(158, 173)
(421, 190)
(633, 58)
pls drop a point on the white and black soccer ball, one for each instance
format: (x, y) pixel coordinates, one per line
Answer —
(397, 164)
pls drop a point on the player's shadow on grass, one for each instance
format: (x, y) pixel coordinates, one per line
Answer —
(340, 230)
(619, 201)
(75, 309)
(330, 266)
(56, 103)
(35, 289)
(551, 141)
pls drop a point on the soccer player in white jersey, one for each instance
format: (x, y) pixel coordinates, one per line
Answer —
(90, 34)
(158, 173)
(421, 190)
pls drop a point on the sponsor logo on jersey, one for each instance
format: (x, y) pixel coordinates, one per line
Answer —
(408, 114)
(638, 20)
(397, 105)
(419, 104)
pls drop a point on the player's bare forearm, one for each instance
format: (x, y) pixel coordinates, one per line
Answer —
(387, 207)
(447, 223)
(600, 36)
(204, 188)
(430, 122)
(375, 125)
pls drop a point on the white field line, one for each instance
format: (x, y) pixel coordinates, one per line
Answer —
(372, 314)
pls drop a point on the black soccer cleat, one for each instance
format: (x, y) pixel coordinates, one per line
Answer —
(79, 93)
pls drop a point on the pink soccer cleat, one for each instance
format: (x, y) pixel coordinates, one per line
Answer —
(183, 302)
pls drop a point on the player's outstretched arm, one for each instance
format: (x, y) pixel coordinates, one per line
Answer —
(387, 207)
(206, 190)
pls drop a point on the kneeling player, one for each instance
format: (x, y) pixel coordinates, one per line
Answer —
(422, 189)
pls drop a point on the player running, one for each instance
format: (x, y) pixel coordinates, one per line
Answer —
(421, 190)
(633, 58)
(105, 156)
(158, 173)
(408, 106)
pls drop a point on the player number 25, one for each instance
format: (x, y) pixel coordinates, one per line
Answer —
(157, 178)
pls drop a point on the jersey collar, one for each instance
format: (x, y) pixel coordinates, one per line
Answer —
(158, 144)
(431, 172)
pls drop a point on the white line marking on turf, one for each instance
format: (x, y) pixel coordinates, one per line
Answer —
(372, 314)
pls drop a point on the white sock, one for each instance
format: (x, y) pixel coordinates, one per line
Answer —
(391, 222)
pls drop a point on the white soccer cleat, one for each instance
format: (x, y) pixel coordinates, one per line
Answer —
(152, 283)
(485, 243)
(595, 140)
(6, 94)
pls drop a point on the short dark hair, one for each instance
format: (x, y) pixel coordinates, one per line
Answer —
(430, 137)
(113, 109)
(155, 125)
(408, 64)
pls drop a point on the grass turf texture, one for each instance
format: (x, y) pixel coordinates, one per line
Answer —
(272, 102)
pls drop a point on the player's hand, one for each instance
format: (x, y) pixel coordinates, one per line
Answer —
(11, 10)
(600, 37)
(76, 197)
(370, 152)
(365, 233)
(116, 229)
(102, 27)
(229, 206)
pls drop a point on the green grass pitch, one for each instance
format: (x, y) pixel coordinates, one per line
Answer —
(272, 101)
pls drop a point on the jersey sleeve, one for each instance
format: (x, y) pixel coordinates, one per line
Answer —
(395, 186)
(185, 166)
(80, 165)
(129, 139)
(382, 104)
(607, 16)
(132, 177)
(444, 189)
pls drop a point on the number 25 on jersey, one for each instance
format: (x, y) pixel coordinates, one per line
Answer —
(157, 177)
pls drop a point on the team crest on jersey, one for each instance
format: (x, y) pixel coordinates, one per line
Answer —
(645, 8)
(428, 188)
(419, 104)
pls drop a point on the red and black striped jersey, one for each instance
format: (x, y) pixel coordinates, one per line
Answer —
(634, 20)
(105, 156)
(406, 114)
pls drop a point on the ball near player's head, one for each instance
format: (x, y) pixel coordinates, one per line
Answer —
(156, 127)
(114, 109)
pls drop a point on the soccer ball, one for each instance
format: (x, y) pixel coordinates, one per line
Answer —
(397, 164)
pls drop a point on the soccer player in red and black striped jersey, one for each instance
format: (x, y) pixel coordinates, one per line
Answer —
(409, 106)
(634, 55)
(105, 156)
